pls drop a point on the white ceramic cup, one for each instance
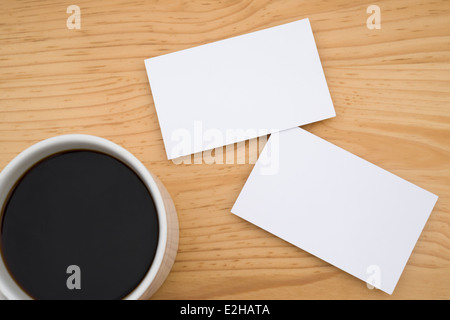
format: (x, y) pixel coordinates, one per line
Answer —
(167, 217)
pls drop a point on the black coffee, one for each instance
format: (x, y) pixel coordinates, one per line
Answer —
(79, 225)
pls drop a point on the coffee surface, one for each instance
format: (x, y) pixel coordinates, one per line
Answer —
(79, 225)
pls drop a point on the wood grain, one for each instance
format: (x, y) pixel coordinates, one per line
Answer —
(390, 87)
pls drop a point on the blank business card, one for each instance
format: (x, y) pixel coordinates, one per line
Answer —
(336, 206)
(239, 88)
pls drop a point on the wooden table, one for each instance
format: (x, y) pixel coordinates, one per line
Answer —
(390, 87)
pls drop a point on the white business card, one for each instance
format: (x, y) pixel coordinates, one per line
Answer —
(336, 206)
(239, 88)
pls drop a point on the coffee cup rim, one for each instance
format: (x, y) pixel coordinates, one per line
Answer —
(39, 151)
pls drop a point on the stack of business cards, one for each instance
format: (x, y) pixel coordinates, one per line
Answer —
(340, 208)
